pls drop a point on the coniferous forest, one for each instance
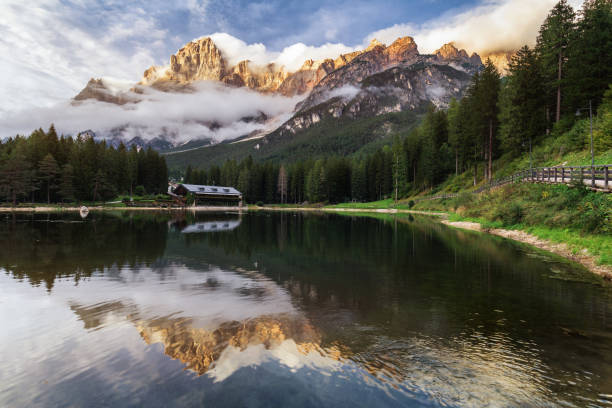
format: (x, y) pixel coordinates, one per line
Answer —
(45, 167)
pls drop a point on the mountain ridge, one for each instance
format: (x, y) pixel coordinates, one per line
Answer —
(340, 87)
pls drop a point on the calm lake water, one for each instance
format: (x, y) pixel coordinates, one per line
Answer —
(279, 310)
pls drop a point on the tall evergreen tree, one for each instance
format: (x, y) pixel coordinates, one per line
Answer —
(522, 109)
(554, 38)
(590, 60)
(66, 186)
(47, 173)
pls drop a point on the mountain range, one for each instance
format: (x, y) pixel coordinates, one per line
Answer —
(379, 81)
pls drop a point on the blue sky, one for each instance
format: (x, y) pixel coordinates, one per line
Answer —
(275, 23)
(50, 48)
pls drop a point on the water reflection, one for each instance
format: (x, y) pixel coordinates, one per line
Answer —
(293, 310)
(211, 226)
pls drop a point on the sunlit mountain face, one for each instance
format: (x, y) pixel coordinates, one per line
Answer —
(299, 309)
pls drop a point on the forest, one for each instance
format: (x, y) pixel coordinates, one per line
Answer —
(569, 68)
(47, 168)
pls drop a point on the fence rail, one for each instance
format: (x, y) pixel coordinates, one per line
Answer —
(597, 178)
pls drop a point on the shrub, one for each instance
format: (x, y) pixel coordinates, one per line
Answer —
(259, 203)
(410, 203)
(140, 191)
(595, 214)
(510, 213)
(462, 200)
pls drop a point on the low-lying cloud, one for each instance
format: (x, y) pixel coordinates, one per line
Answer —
(212, 111)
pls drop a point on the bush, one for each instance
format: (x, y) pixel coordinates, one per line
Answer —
(595, 214)
(410, 203)
(463, 199)
(140, 191)
(259, 204)
(510, 213)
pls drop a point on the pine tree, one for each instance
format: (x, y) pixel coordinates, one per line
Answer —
(400, 179)
(554, 38)
(589, 66)
(15, 178)
(66, 187)
(522, 110)
(487, 99)
(282, 184)
(47, 173)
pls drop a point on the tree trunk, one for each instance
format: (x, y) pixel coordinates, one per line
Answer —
(475, 171)
(548, 120)
(456, 161)
(559, 87)
(95, 191)
(490, 171)
(48, 194)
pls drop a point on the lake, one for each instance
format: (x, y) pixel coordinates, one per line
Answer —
(267, 309)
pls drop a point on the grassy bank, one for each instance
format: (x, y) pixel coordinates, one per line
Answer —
(580, 218)
(574, 216)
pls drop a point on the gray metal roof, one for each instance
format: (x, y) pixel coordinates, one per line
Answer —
(217, 190)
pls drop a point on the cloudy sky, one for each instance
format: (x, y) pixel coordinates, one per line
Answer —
(50, 48)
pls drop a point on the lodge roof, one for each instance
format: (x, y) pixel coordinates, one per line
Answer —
(209, 190)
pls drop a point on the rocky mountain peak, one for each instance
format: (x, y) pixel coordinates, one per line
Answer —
(198, 60)
(373, 44)
(449, 51)
(402, 49)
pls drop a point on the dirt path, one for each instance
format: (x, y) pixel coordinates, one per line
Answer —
(583, 257)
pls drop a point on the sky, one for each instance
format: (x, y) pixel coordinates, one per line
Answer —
(50, 48)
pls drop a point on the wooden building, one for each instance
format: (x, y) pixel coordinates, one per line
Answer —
(209, 195)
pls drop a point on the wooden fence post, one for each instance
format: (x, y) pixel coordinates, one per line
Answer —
(563, 175)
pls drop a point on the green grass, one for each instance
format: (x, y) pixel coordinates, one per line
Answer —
(599, 246)
(580, 218)
(382, 204)
(572, 215)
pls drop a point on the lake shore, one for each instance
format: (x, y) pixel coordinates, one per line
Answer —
(218, 209)
(582, 257)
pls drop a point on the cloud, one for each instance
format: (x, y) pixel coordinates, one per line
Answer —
(48, 41)
(292, 57)
(494, 25)
(178, 116)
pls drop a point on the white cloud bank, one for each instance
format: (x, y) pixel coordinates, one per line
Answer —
(292, 57)
(213, 111)
(495, 25)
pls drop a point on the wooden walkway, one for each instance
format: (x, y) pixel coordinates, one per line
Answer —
(598, 178)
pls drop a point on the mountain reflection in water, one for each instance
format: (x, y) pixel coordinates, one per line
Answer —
(292, 310)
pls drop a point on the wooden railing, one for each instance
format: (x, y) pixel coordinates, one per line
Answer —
(597, 178)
